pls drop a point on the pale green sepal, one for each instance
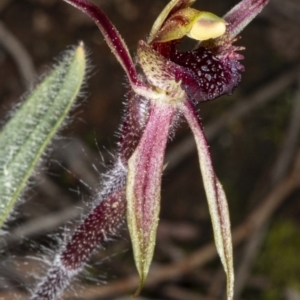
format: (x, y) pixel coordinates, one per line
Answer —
(142, 259)
(216, 198)
(27, 134)
(143, 186)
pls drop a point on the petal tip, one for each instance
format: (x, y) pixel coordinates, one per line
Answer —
(140, 287)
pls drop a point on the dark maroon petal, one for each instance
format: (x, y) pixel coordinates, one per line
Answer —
(111, 35)
(101, 223)
(242, 14)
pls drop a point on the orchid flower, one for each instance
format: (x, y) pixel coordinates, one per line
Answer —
(169, 86)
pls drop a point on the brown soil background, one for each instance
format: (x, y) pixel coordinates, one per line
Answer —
(245, 152)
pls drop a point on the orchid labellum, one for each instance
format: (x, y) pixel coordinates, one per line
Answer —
(171, 84)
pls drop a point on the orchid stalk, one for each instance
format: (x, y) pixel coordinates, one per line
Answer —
(169, 87)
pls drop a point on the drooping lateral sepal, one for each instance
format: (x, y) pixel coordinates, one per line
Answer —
(143, 186)
(216, 197)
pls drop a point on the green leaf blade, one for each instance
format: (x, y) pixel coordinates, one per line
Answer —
(27, 134)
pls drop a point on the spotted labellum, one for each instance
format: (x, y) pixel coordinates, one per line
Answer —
(169, 85)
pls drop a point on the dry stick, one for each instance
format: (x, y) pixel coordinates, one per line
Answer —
(216, 287)
(178, 293)
(19, 54)
(78, 158)
(198, 258)
(251, 251)
(46, 223)
(74, 155)
(282, 164)
(42, 225)
(242, 108)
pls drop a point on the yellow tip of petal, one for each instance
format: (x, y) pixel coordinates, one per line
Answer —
(207, 26)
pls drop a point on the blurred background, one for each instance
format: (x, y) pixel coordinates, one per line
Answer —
(254, 137)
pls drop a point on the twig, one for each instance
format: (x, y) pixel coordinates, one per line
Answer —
(242, 108)
(216, 287)
(74, 156)
(19, 54)
(176, 293)
(251, 251)
(78, 159)
(42, 225)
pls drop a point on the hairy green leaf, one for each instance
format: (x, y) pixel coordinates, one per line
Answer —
(27, 134)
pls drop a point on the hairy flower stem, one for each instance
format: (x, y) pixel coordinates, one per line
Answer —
(102, 222)
(136, 115)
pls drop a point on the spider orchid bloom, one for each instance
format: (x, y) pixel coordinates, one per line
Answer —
(171, 83)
